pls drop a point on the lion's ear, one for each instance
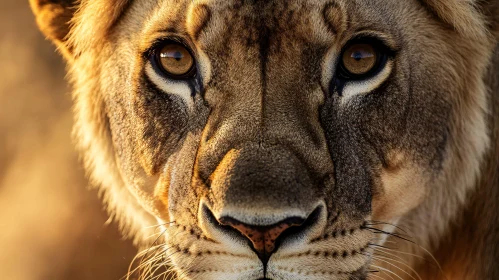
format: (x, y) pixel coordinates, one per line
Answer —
(53, 18)
(469, 17)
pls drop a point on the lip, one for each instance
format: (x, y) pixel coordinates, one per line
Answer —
(227, 254)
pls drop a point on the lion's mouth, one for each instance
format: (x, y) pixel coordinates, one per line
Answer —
(296, 232)
(265, 240)
(308, 248)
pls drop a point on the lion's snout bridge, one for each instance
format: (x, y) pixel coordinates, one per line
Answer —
(263, 178)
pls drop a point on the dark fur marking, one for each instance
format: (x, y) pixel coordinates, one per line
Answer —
(334, 254)
(162, 132)
(221, 270)
(335, 234)
(187, 251)
(264, 45)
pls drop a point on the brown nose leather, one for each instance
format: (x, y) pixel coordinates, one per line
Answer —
(262, 237)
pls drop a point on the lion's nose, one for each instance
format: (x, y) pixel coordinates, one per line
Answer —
(263, 238)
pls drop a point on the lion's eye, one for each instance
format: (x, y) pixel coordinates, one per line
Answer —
(176, 61)
(361, 60)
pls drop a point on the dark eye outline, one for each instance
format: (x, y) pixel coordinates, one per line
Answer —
(383, 54)
(154, 53)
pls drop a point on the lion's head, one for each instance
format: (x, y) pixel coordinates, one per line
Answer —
(278, 139)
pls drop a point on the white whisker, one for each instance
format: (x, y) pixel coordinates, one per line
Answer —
(387, 261)
(400, 260)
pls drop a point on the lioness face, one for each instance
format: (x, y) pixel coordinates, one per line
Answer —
(266, 137)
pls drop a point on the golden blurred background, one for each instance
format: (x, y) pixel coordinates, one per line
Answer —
(51, 225)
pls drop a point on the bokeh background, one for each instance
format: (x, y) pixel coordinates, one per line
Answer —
(52, 226)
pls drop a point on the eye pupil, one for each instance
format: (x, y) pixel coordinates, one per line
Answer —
(357, 56)
(178, 56)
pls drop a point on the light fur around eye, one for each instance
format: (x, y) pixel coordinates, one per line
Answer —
(359, 87)
(170, 86)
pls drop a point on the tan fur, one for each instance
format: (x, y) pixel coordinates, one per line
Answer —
(461, 15)
(54, 21)
(145, 183)
(103, 13)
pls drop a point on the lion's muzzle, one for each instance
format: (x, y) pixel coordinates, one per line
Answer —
(262, 193)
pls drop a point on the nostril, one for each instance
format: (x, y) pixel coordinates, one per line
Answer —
(263, 238)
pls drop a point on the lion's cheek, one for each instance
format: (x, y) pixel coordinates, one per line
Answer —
(401, 191)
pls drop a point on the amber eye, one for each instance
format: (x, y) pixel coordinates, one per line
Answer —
(359, 59)
(176, 61)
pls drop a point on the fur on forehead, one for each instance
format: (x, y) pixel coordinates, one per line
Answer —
(465, 16)
(103, 14)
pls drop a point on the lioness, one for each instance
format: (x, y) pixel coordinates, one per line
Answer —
(283, 139)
